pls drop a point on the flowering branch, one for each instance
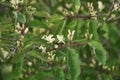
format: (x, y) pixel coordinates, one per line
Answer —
(110, 11)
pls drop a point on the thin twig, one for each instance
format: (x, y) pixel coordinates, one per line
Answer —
(80, 16)
(110, 11)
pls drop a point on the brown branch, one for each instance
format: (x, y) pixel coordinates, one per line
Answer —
(79, 16)
(110, 11)
(62, 47)
(113, 20)
(67, 46)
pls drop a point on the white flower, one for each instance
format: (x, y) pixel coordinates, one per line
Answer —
(51, 56)
(49, 38)
(43, 49)
(100, 6)
(60, 39)
(70, 34)
(116, 6)
(92, 11)
(30, 63)
(56, 46)
(4, 52)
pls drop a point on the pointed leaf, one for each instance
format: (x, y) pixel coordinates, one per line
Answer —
(99, 51)
(74, 64)
(21, 18)
(58, 73)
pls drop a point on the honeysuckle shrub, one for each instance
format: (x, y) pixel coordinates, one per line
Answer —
(59, 40)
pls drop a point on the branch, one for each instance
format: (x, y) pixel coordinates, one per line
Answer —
(110, 11)
(79, 16)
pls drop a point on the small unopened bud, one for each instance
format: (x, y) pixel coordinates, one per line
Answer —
(31, 10)
(93, 61)
(70, 34)
(109, 69)
(30, 63)
(56, 46)
(113, 68)
(100, 6)
(92, 65)
(18, 43)
(18, 27)
(64, 59)
(105, 67)
(77, 8)
(60, 9)
(26, 31)
(19, 32)
(22, 39)
(86, 35)
(91, 36)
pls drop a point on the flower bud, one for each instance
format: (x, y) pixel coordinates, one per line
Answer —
(26, 31)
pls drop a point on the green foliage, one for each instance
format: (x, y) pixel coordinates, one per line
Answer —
(59, 40)
(21, 18)
(58, 73)
(74, 64)
(99, 51)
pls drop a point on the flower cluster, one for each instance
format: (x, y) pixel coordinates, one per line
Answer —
(50, 39)
(70, 35)
(55, 43)
(15, 3)
(30, 10)
(92, 11)
(88, 36)
(20, 28)
(59, 40)
(116, 6)
(42, 48)
(51, 56)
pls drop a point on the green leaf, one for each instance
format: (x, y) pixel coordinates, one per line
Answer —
(113, 33)
(35, 23)
(99, 50)
(15, 75)
(72, 24)
(21, 18)
(18, 57)
(37, 55)
(80, 41)
(58, 73)
(5, 3)
(76, 6)
(42, 14)
(74, 64)
(107, 77)
(43, 75)
(105, 31)
(93, 26)
(56, 18)
(59, 29)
